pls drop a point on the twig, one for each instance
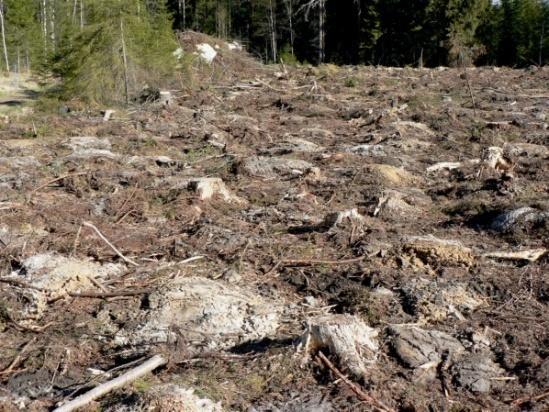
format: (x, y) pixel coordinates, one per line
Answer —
(124, 258)
(521, 401)
(56, 180)
(76, 238)
(97, 284)
(21, 284)
(314, 262)
(355, 388)
(34, 329)
(17, 359)
(470, 92)
(113, 384)
(102, 295)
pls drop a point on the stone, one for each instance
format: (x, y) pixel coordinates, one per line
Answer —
(476, 373)
(272, 167)
(418, 347)
(519, 219)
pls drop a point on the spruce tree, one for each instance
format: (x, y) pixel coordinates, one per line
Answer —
(125, 46)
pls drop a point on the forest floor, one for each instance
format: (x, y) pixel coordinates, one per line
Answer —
(377, 215)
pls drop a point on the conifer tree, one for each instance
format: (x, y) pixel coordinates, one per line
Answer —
(124, 46)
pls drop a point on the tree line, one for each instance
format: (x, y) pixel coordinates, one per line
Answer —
(384, 32)
(387, 32)
(114, 47)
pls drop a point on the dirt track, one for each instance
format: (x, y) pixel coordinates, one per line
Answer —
(333, 199)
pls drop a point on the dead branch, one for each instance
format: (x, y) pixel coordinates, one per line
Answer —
(521, 401)
(56, 180)
(314, 262)
(470, 92)
(102, 295)
(354, 387)
(113, 384)
(18, 358)
(21, 284)
(96, 230)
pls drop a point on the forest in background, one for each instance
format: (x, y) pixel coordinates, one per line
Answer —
(378, 32)
(112, 47)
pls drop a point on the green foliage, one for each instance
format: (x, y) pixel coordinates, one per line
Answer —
(288, 57)
(464, 17)
(123, 48)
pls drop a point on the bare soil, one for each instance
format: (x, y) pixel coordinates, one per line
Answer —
(458, 330)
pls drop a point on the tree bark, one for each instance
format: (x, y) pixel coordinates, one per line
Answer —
(272, 31)
(125, 61)
(3, 23)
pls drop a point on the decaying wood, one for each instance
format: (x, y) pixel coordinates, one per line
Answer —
(363, 396)
(521, 401)
(96, 230)
(18, 358)
(133, 374)
(315, 262)
(49, 182)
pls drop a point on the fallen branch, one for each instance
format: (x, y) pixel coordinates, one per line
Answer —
(314, 262)
(102, 295)
(355, 388)
(124, 258)
(21, 284)
(56, 180)
(470, 92)
(113, 384)
(521, 401)
(18, 358)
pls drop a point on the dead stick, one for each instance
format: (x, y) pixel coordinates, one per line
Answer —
(57, 180)
(124, 258)
(17, 359)
(113, 384)
(21, 284)
(520, 401)
(102, 295)
(312, 262)
(355, 388)
(470, 92)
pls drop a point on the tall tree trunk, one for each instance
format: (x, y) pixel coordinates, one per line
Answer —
(541, 40)
(45, 25)
(321, 30)
(124, 61)
(3, 23)
(52, 25)
(182, 6)
(27, 58)
(290, 12)
(74, 7)
(272, 31)
(81, 14)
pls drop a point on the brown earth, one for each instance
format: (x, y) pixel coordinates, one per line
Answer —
(318, 167)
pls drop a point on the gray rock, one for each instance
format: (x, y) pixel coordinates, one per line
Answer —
(476, 373)
(417, 347)
(20, 162)
(517, 219)
(271, 167)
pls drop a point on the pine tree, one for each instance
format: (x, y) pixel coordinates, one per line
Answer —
(124, 46)
(464, 17)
